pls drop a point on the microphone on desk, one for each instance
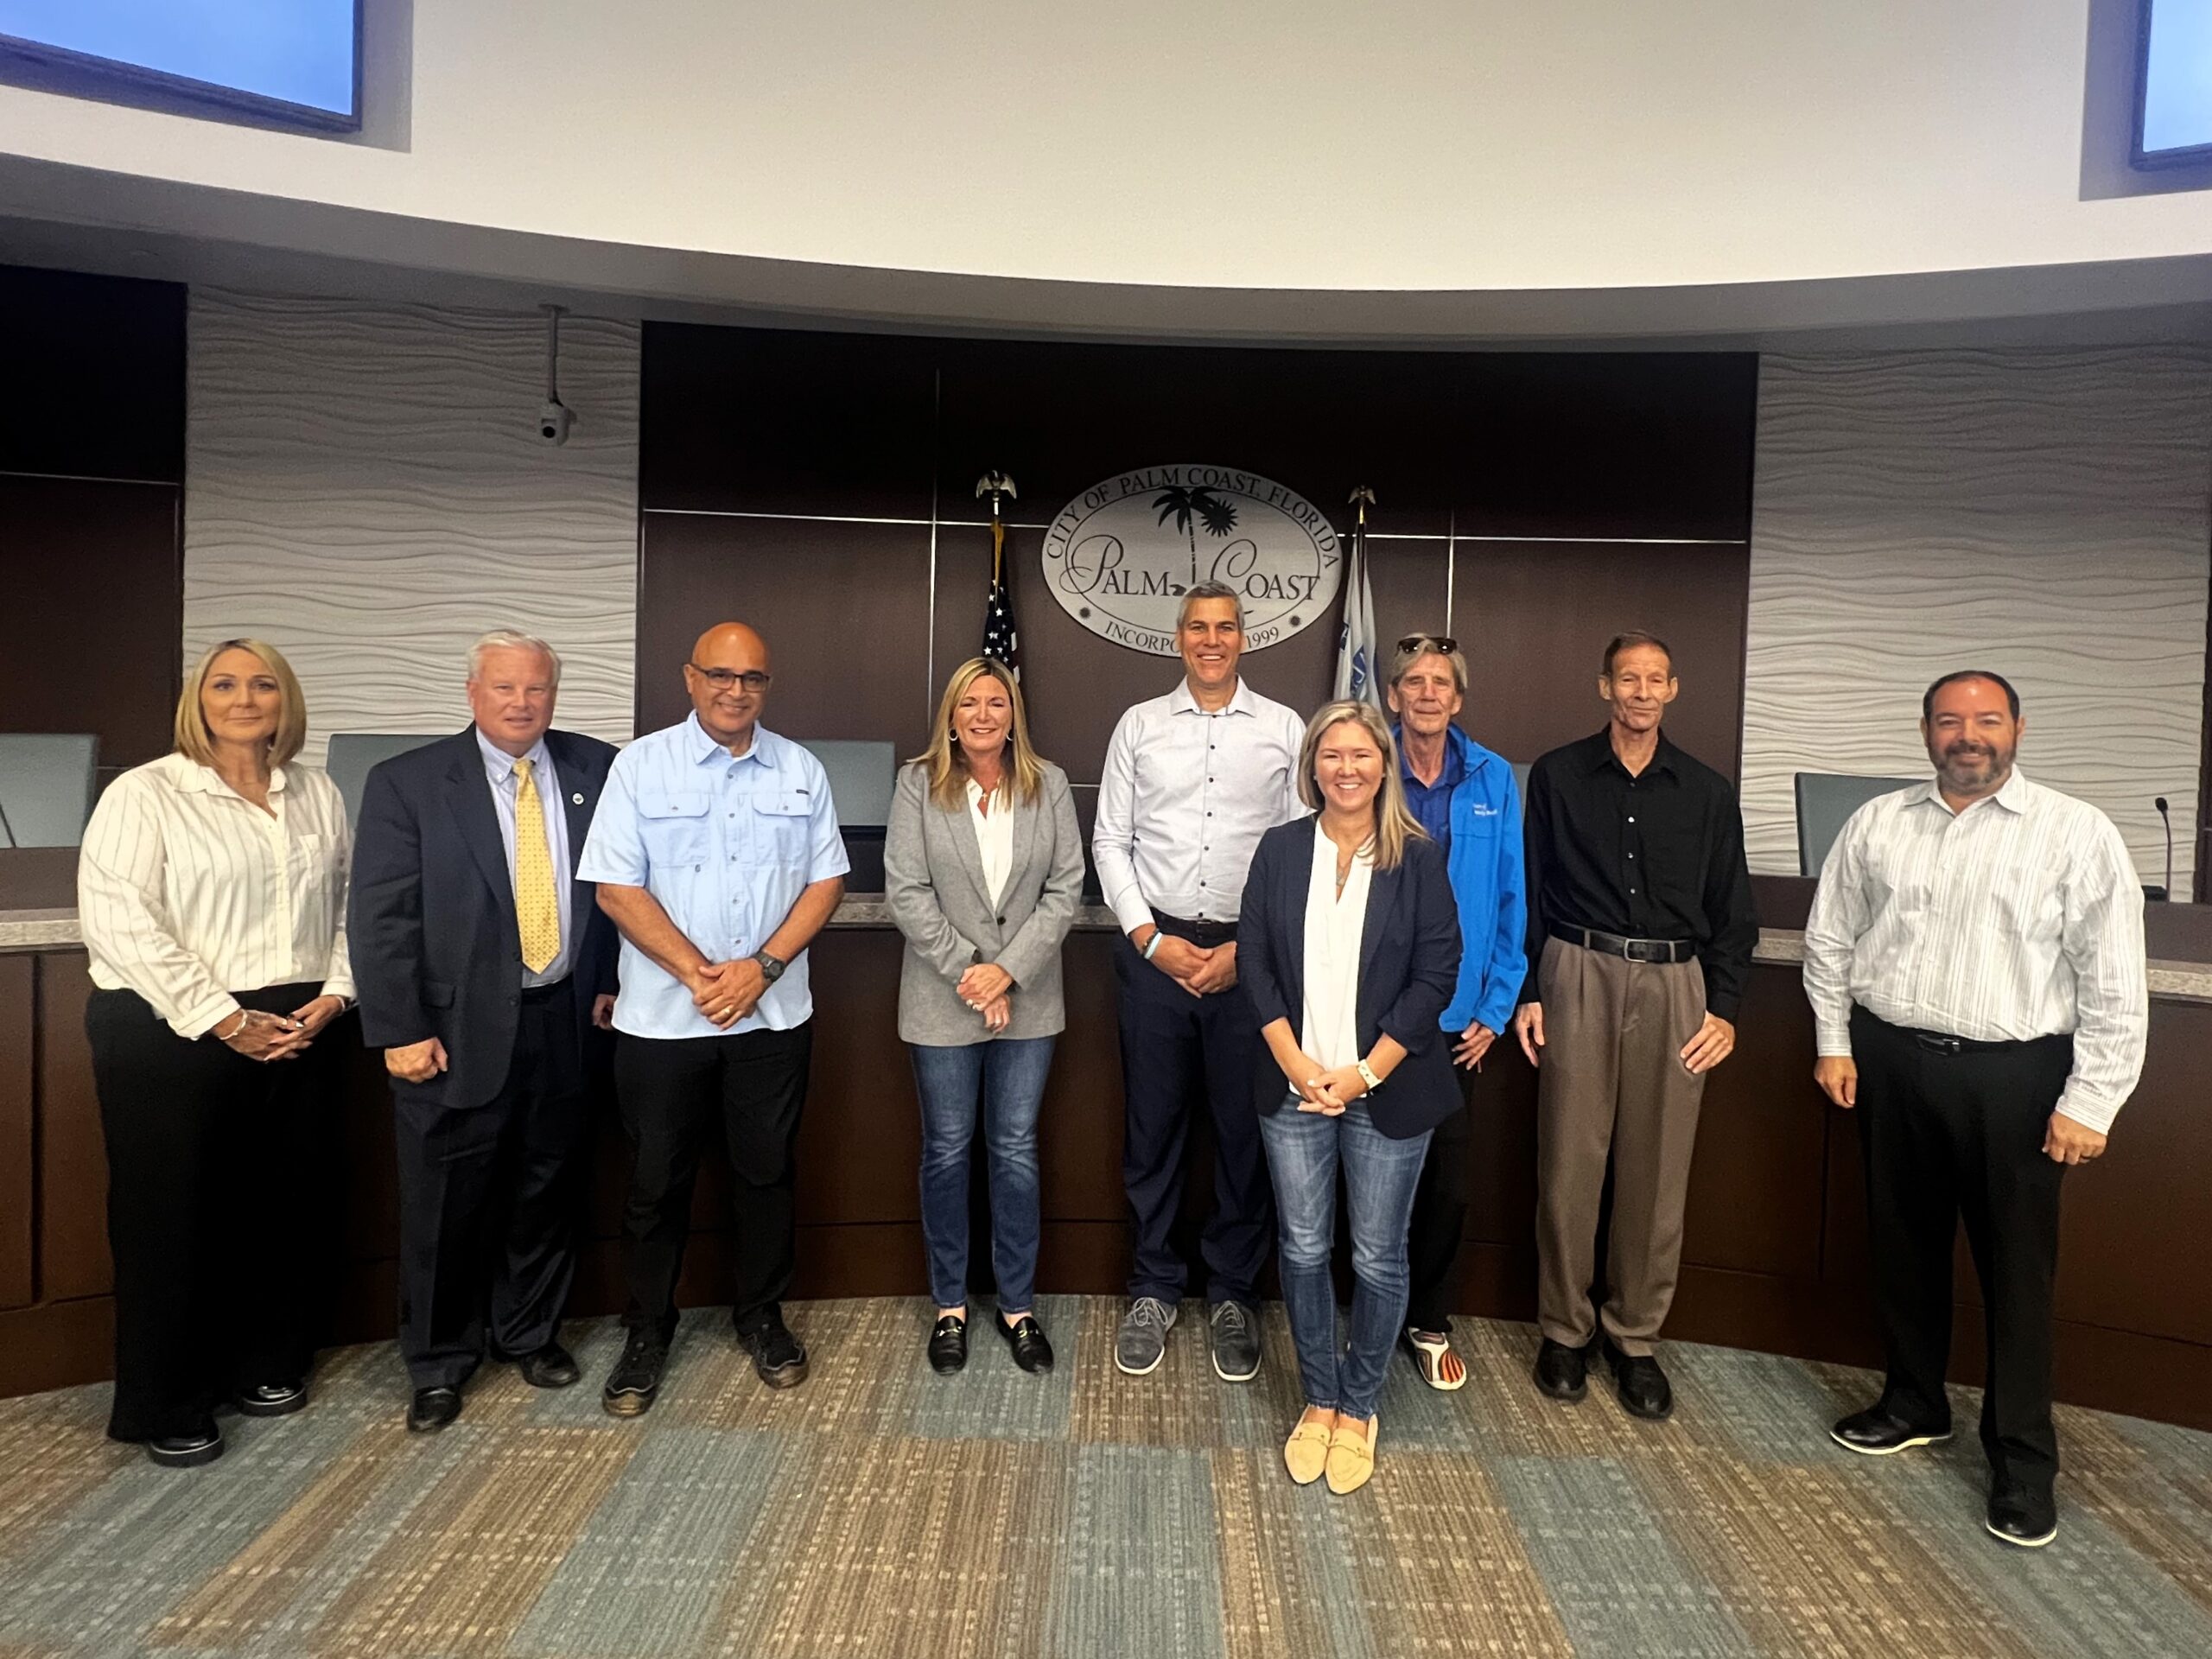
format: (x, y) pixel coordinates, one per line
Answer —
(2159, 894)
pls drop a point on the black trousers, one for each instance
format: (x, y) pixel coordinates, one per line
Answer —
(1441, 1219)
(1175, 1049)
(487, 1203)
(673, 1092)
(1952, 1135)
(220, 1192)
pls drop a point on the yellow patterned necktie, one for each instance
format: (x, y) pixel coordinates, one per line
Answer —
(537, 905)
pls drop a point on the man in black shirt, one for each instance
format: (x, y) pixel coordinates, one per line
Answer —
(1640, 936)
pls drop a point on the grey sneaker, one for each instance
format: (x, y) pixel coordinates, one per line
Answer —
(1235, 1333)
(1141, 1343)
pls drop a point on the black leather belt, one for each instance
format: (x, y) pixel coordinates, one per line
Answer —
(1202, 933)
(546, 993)
(1613, 944)
(1942, 1042)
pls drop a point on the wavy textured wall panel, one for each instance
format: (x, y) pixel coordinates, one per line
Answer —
(365, 489)
(2040, 512)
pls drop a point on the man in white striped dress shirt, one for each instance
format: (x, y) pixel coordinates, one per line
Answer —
(1974, 959)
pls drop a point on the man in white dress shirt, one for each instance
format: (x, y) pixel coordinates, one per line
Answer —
(1191, 782)
(1974, 960)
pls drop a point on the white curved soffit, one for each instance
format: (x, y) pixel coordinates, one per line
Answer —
(1291, 168)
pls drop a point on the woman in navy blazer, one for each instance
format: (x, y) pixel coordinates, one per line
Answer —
(1349, 944)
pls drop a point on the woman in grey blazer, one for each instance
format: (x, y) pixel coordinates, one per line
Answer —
(983, 869)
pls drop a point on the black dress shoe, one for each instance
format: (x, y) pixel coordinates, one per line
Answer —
(1027, 1338)
(778, 1357)
(1877, 1433)
(947, 1345)
(1642, 1387)
(432, 1410)
(1562, 1372)
(634, 1382)
(186, 1451)
(2028, 1519)
(273, 1399)
(550, 1367)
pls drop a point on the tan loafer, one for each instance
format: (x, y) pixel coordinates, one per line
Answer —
(1351, 1456)
(1305, 1453)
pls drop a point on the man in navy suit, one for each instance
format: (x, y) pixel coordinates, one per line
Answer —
(483, 967)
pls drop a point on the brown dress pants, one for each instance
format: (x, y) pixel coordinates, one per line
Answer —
(1612, 1081)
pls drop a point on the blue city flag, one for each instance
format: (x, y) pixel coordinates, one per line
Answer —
(1355, 671)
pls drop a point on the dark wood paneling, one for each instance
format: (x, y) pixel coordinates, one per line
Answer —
(761, 421)
(89, 641)
(1518, 444)
(1762, 1131)
(1773, 1257)
(73, 1259)
(1534, 618)
(94, 372)
(842, 606)
(18, 1183)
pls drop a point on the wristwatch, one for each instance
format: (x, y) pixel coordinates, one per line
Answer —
(1367, 1076)
(771, 968)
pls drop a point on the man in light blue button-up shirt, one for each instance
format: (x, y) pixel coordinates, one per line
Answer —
(716, 852)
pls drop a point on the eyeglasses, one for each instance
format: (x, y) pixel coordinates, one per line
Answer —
(1442, 645)
(729, 679)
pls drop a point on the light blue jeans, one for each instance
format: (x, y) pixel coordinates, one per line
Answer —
(1305, 1151)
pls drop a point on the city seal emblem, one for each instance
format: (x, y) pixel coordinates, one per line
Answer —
(1121, 556)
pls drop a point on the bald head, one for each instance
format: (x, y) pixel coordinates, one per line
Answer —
(725, 639)
(727, 678)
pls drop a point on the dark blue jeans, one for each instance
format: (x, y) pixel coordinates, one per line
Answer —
(1305, 1151)
(1008, 1075)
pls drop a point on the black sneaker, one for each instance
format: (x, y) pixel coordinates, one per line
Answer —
(778, 1357)
(1234, 1337)
(635, 1379)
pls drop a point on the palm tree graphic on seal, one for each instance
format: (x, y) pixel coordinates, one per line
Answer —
(1192, 507)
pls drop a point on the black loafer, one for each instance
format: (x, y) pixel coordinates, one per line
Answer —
(634, 1383)
(432, 1410)
(550, 1367)
(1876, 1434)
(778, 1357)
(1562, 1372)
(1026, 1338)
(949, 1344)
(1642, 1387)
(186, 1451)
(2028, 1519)
(273, 1399)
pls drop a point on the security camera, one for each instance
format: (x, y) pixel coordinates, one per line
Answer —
(555, 419)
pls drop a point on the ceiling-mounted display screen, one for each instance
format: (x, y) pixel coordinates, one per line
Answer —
(2173, 88)
(291, 61)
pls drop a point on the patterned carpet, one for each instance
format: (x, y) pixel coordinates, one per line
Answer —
(882, 1511)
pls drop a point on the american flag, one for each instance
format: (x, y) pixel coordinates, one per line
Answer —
(1001, 640)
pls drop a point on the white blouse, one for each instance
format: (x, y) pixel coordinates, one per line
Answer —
(187, 892)
(1334, 925)
(993, 836)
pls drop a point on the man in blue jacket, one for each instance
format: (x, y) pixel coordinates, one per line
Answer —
(1466, 798)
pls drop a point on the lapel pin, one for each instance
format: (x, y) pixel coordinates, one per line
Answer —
(578, 798)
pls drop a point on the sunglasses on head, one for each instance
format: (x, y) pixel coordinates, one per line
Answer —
(1443, 644)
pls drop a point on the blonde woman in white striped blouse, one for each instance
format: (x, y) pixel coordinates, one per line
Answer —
(210, 889)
